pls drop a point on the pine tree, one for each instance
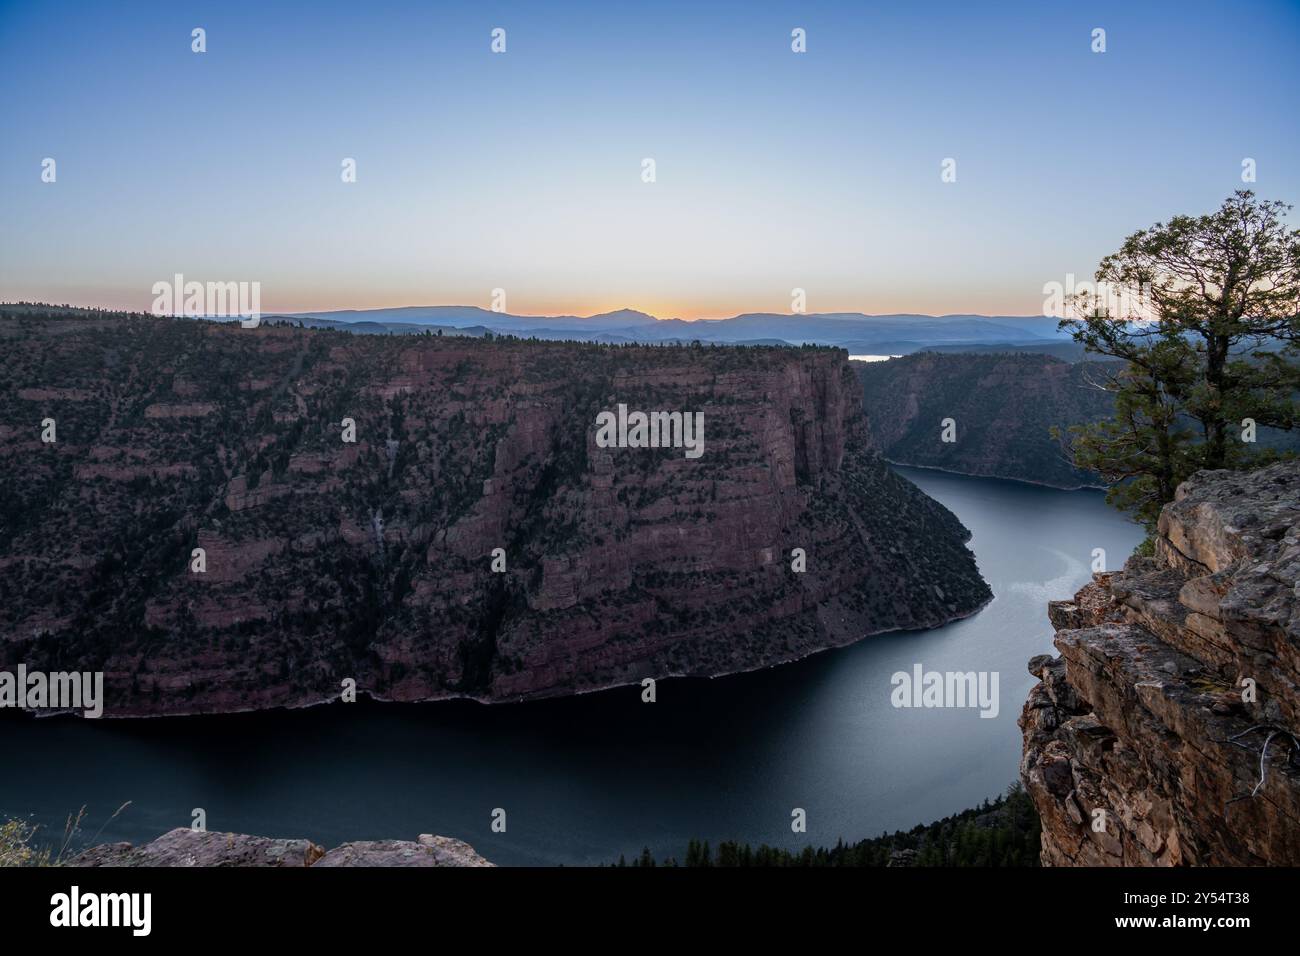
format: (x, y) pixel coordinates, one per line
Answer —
(1207, 322)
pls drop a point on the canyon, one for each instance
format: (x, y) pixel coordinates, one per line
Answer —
(204, 534)
(1004, 406)
(1163, 733)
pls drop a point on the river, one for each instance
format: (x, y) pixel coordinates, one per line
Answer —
(584, 779)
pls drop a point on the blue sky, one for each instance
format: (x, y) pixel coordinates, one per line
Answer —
(522, 170)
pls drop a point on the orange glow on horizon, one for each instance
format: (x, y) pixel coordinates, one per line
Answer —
(330, 300)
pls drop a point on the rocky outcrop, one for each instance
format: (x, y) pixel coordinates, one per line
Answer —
(1165, 733)
(426, 851)
(186, 847)
(426, 517)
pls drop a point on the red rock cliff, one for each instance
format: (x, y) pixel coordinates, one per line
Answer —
(373, 560)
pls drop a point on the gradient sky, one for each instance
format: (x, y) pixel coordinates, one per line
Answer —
(523, 170)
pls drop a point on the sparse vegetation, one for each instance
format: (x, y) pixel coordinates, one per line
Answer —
(999, 833)
(20, 843)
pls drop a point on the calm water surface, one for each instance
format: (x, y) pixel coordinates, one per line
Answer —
(585, 779)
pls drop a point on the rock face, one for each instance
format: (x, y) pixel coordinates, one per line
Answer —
(1176, 677)
(428, 850)
(203, 532)
(1003, 404)
(185, 847)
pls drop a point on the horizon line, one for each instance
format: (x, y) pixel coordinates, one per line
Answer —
(555, 315)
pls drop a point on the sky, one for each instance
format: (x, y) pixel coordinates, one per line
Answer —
(523, 170)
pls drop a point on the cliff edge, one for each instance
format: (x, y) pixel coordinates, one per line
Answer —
(1163, 734)
(225, 519)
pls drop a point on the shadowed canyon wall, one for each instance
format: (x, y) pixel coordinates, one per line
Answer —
(373, 560)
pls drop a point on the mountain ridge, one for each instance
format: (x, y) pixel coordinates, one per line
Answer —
(854, 331)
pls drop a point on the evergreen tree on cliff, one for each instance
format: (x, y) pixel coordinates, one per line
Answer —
(1205, 312)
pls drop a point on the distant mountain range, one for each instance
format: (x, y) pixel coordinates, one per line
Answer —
(859, 333)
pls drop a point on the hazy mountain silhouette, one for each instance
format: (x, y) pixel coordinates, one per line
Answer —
(855, 331)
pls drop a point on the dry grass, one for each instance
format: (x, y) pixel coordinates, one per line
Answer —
(18, 847)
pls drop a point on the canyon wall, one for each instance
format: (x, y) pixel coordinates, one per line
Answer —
(377, 560)
(1004, 406)
(1163, 733)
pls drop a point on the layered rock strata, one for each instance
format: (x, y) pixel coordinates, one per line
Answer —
(235, 519)
(1165, 732)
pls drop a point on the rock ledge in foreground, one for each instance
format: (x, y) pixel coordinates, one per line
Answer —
(1142, 742)
(185, 847)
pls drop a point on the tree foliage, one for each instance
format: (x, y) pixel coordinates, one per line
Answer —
(1002, 833)
(1205, 313)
